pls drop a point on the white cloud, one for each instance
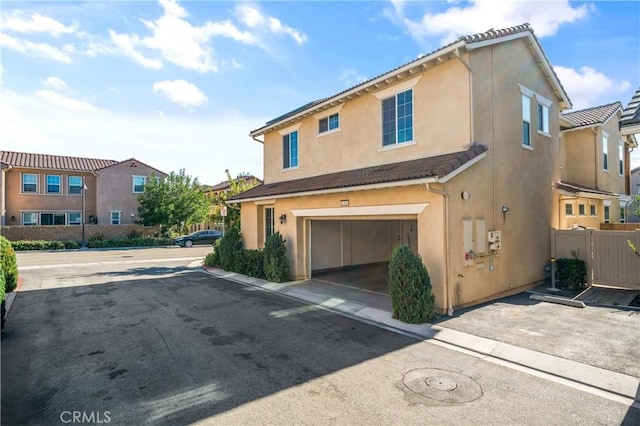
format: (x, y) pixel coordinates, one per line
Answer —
(481, 15)
(181, 92)
(54, 83)
(125, 44)
(36, 23)
(58, 100)
(252, 17)
(167, 143)
(588, 87)
(351, 77)
(41, 50)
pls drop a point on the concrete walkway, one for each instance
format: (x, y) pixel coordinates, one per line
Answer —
(375, 308)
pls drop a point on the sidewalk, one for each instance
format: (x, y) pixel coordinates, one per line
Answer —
(375, 308)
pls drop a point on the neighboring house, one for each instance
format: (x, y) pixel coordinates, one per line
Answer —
(436, 154)
(212, 191)
(595, 168)
(630, 126)
(635, 192)
(44, 190)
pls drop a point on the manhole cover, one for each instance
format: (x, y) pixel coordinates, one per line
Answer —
(442, 385)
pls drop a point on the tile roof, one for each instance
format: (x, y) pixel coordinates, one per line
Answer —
(631, 114)
(437, 166)
(53, 162)
(468, 39)
(592, 116)
(225, 184)
(134, 164)
(574, 188)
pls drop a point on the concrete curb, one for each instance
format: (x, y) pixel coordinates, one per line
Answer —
(558, 299)
(605, 383)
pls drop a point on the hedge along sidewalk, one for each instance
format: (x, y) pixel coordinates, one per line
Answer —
(375, 309)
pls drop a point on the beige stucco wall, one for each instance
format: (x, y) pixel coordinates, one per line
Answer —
(115, 191)
(16, 202)
(442, 92)
(508, 175)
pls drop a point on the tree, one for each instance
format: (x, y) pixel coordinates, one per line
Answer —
(173, 203)
(241, 183)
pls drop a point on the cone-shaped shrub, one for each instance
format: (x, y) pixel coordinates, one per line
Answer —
(229, 249)
(409, 287)
(276, 264)
(9, 264)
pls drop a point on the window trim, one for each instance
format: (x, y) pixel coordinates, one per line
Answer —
(69, 185)
(397, 118)
(621, 152)
(22, 191)
(329, 128)
(79, 222)
(568, 209)
(289, 151)
(133, 183)
(59, 184)
(53, 218)
(526, 120)
(593, 210)
(582, 209)
(111, 212)
(607, 213)
(271, 225)
(605, 151)
(37, 216)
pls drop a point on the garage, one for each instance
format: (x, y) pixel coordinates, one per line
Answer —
(356, 252)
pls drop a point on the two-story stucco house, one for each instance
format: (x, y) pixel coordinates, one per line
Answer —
(51, 190)
(594, 186)
(455, 154)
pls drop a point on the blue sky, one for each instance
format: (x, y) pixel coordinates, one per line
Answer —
(180, 84)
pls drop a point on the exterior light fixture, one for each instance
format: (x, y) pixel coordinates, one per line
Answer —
(505, 208)
(282, 218)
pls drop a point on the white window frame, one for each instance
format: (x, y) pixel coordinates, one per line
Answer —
(119, 213)
(582, 209)
(59, 184)
(329, 129)
(22, 191)
(288, 137)
(34, 223)
(621, 158)
(53, 217)
(593, 210)
(269, 223)
(133, 183)
(566, 211)
(69, 178)
(605, 151)
(78, 222)
(607, 213)
(544, 105)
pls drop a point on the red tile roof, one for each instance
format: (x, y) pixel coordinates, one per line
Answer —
(53, 162)
(574, 188)
(592, 116)
(430, 167)
(225, 184)
(134, 163)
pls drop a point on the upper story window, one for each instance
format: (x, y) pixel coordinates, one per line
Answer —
(329, 123)
(526, 120)
(290, 150)
(621, 158)
(29, 182)
(75, 185)
(53, 184)
(138, 183)
(605, 151)
(397, 118)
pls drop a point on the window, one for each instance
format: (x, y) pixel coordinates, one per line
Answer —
(621, 158)
(75, 218)
(526, 120)
(594, 211)
(543, 118)
(582, 210)
(606, 214)
(622, 213)
(329, 123)
(29, 182)
(269, 222)
(30, 218)
(397, 118)
(53, 184)
(568, 209)
(290, 150)
(115, 217)
(53, 219)
(75, 185)
(138, 183)
(605, 151)
(638, 189)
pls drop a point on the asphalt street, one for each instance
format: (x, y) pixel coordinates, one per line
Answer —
(150, 339)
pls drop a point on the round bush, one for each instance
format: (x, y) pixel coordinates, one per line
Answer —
(409, 287)
(276, 264)
(9, 264)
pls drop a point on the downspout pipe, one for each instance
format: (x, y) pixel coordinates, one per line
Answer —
(445, 231)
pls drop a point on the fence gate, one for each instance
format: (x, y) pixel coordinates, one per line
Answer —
(610, 260)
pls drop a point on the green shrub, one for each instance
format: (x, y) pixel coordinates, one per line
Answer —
(409, 287)
(571, 273)
(213, 258)
(9, 264)
(129, 242)
(134, 234)
(229, 249)
(251, 263)
(2, 285)
(71, 245)
(276, 264)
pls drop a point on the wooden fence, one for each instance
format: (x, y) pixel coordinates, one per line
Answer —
(610, 259)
